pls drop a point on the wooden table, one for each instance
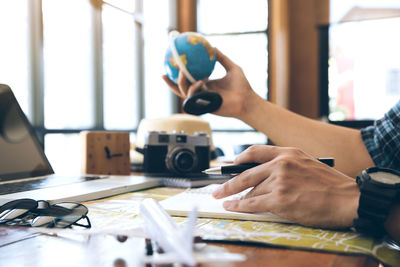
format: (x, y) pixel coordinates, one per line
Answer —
(26, 249)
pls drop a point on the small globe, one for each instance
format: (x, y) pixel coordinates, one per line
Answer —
(197, 57)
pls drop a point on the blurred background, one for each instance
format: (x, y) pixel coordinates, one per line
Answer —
(97, 65)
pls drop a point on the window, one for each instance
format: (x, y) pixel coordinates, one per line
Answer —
(364, 59)
(119, 69)
(241, 34)
(68, 68)
(14, 50)
(96, 65)
(79, 64)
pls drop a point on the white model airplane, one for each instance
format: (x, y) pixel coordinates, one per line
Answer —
(160, 227)
(177, 244)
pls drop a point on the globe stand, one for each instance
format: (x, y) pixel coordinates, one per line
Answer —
(202, 102)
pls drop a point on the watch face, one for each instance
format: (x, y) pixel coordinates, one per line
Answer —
(385, 177)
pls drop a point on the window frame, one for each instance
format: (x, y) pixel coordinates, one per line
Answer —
(187, 21)
(36, 67)
(36, 82)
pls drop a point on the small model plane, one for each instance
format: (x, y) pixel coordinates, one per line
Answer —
(177, 244)
(160, 227)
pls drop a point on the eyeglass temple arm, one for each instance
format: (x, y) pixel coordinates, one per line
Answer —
(88, 225)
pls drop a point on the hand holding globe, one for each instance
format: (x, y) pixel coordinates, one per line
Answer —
(192, 54)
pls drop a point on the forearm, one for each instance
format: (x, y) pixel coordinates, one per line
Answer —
(319, 139)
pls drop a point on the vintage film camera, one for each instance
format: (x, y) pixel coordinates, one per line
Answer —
(176, 153)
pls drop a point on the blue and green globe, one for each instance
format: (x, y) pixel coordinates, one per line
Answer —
(192, 53)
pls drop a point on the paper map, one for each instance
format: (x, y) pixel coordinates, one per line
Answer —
(122, 212)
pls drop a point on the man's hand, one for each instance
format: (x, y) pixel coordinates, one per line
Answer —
(293, 185)
(234, 88)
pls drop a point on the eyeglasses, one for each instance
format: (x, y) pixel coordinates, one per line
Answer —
(29, 212)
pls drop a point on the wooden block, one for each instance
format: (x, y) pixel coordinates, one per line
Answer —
(105, 152)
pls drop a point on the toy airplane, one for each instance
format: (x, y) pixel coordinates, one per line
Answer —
(176, 244)
(160, 227)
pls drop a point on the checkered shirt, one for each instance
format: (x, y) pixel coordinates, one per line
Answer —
(383, 139)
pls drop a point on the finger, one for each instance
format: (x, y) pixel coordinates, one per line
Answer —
(262, 203)
(264, 187)
(224, 60)
(246, 179)
(258, 153)
(177, 92)
(183, 84)
(194, 87)
(174, 88)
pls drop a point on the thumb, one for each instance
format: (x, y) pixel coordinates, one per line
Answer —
(224, 60)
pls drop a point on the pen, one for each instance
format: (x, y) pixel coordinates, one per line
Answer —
(234, 169)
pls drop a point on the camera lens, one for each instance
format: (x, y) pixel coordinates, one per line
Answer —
(181, 161)
(184, 160)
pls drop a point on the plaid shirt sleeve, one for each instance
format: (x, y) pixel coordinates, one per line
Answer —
(383, 139)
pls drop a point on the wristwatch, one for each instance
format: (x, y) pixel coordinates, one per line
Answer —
(379, 190)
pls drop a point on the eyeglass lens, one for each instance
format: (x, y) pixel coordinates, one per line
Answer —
(60, 215)
(16, 208)
(11, 214)
(28, 212)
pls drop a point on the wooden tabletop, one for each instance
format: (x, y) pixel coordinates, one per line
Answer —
(18, 247)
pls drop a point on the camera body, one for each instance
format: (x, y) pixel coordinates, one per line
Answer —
(176, 153)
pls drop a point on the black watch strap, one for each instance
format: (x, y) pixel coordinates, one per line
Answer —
(372, 213)
(374, 206)
(367, 226)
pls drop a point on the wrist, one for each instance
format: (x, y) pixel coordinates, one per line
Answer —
(349, 205)
(353, 206)
(252, 105)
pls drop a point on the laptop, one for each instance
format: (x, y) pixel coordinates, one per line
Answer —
(25, 171)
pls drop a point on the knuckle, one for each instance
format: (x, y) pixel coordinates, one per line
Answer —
(295, 151)
(280, 177)
(252, 149)
(285, 163)
(252, 202)
(281, 190)
(244, 180)
(226, 186)
(232, 205)
(245, 205)
(231, 186)
(281, 193)
(237, 67)
(275, 148)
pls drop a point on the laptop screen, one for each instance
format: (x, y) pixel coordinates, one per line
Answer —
(21, 155)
